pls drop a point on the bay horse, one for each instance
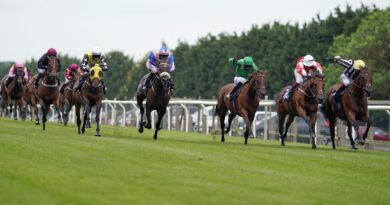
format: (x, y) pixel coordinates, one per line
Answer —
(91, 94)
(157, 98)
(304, 103)
(13, 94)
(246, 103)
(68, 98)
(46, 93)
(351, 107)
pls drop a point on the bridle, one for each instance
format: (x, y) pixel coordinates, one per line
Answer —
(255, 84)
(312, 92)
(163, 82)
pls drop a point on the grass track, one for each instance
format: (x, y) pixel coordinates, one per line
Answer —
(57, 166)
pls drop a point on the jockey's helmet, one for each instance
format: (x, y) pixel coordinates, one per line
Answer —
(96, 52)
(163, 52)
(19, 65)
(308, 60)
(73, 67)
(248, 61)
(52, 52)
(359, 64)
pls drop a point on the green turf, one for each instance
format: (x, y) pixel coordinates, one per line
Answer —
(58, 166)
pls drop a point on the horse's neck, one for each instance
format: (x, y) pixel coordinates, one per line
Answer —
(357, 91)
(49, 80)
(249, 89)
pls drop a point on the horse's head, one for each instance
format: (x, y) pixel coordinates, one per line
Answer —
(364, 80)
(316, 83)
(96, 75)
(53, 67)
(258, 80)
(19, 75)
(163, 67)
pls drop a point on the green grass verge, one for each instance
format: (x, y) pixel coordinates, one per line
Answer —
(58, 166)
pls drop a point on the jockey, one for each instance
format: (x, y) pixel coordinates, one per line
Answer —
(70, 73)
(302, 70)
(91, 58)
(12, 72)
(244, 67)
(43, 64)
(351, 68)
(156, 58)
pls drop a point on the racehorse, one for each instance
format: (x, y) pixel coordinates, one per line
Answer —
(246, 103)
(68, 98)
(350, 107)
(13, 94)
(46, 93)
(157, 98)
(91, 94)
(304, 103)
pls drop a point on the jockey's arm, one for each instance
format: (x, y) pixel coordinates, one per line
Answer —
(343, 62)
(104, 64)
(151, 67)
(84, 63)
(43, 62)
(25, 73)
(172, 64)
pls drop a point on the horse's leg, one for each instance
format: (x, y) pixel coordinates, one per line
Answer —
(231, 117)
(148, 118)
(65, 109)
(282, 118)
(161, 114)
(43, 108)
(142, 110)
(78, 118)
(351, 122)
(289, 121)
(369, 122)
(57, 109)
(15, 110)
(332, 125)
(248, 123)
(222, 114)
(35, 109)
(86, 113)
(97, 118)
(312, 124)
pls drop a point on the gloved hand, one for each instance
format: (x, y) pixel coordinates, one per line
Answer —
(336, 58)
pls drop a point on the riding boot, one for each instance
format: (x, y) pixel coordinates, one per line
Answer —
(146, 84)
(81, 81)
(104, 87)
(233, 93)
(291, 91)
(63, 87)
(338, 93)
(36, 82)
(8, 81)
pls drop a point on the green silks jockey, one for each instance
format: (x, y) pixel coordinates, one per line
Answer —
(244, 67)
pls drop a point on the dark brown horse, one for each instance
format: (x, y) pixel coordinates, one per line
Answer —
(91, 94)
(46, 93)
(304, 103)
(13, 94)
(157, 98)
(68, 98)
(246, 104)
(351, 107)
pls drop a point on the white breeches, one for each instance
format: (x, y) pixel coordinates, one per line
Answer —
(345, 79)
(239, 80)
(298, 77)
(41, 70)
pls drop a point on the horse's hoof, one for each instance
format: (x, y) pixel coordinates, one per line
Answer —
(354, 148)
(97, 135)
(37, 123)
(314, 147)
(141, 130)
(155, 138)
